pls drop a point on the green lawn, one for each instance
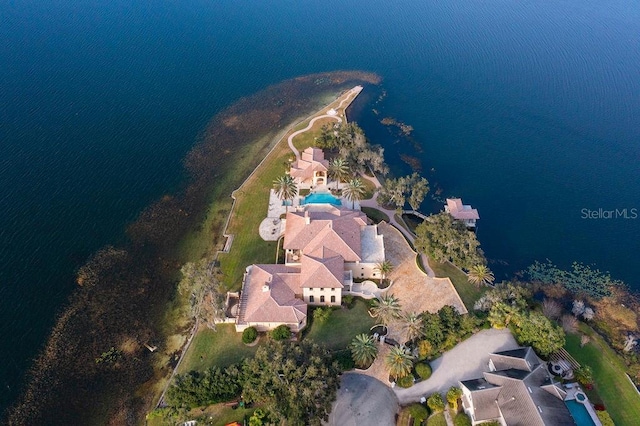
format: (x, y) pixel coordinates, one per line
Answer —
(617, 393)
(342, 326)
(468, 292)
(437, 420)
(222, 348)
(375, 215)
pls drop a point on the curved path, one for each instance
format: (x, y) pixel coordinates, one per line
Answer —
(332, 113)
(310, 125)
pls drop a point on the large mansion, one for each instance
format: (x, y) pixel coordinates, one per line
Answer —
(326, 247)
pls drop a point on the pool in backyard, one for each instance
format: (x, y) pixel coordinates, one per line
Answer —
(579, 413)
(321, 198)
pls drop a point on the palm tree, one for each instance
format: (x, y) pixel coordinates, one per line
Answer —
(453, 394)
(385, 309)
(413, 326)
(338, 170)
(363, 350)
(399, 362)
(285, 187)
(354, 191)
(480, 275)
(385, 267)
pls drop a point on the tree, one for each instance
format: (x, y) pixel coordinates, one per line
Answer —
(296, 382)
(394, 192)
(444, 239)
(536, 330)
(354, 191)
(412, 326)
(583, 374)
(385, 309)
(453, 395)
(588, 314)
(480, 275)
(436, 403)
(462, 419)
(285, 187)
(551, 309)
(384, 268)
(399, 362)
(338, 170)
(418, 412)
(433, 330)
(569, 324)
(249, 335)
(419, 187)
(578, 308)
(281, 332)
(196, 389)
(363, 350)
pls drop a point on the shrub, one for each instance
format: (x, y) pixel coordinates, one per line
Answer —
(419, 412)
(344, 360)
(281, 332)
(249, 335)
(347, 300)
(423, 370)
(435, 403)
(605, 418)
(425, 349)
(405, 382)
(462, 420)
(321, 314)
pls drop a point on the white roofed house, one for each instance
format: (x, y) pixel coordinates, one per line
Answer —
(462, 212)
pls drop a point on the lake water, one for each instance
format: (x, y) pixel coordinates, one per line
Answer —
(527, 110)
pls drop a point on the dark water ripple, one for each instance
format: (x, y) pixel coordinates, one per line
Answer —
(529, 110)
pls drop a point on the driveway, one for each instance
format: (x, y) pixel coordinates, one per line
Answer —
(363, 400)
(468, 360)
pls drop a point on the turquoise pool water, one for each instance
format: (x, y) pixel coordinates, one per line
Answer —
(321, 198)
(579, 413)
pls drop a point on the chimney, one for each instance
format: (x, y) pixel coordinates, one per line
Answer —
(307, 218)
(265, 288)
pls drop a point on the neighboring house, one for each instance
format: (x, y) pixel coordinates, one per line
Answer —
(311, 169)
(325, 247)
(517, 391)
(462, 212)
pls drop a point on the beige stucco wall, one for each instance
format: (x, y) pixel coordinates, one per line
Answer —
(266, 326)
(326, 292)
(362, 270)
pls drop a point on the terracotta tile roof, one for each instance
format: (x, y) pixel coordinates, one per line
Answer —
(270, 291)
(335, 228)
(312, 160)
(322, 268)
(459, 211)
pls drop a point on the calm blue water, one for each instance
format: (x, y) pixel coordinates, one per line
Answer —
(527, 110)
(579, 413)
(321, 198)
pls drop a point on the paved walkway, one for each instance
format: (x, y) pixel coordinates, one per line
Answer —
(331, 113)
(363, 400)
(468, 360)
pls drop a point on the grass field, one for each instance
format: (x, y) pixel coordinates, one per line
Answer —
(468, 292)
(222, 348)
(252, 200)
(618, 394)
(342, 326)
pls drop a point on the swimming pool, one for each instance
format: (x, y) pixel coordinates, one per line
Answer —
(321, 198)
(579, 413)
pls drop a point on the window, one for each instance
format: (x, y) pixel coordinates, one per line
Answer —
(321, 288)
(321, 299)
(333, 289)
(310, 299)
(333, 299)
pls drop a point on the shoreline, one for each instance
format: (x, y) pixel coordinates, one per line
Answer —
(164, 236)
